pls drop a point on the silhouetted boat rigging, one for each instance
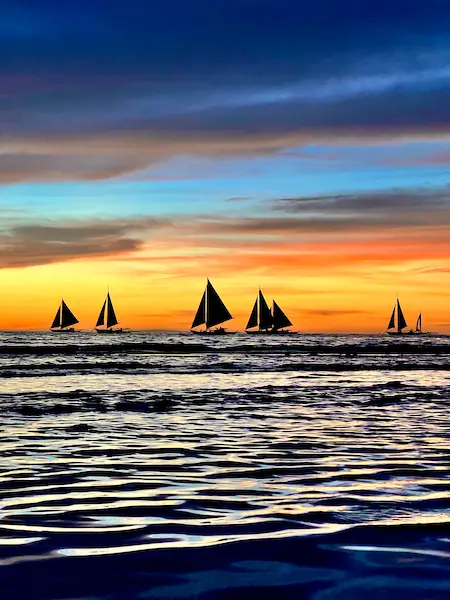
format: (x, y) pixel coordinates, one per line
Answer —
(419, 324)
(401, 323)
(63, 320)
(419, 330)
(266, 320)
(107, 318)
(211, 312)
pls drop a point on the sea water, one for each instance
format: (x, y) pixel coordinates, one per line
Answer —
(179, 466)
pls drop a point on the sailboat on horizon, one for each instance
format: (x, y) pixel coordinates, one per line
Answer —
(211, 312)
(267, 321)
(107, 318)
(64, 319)
(419, 330)
(401, 322)
(419, 324)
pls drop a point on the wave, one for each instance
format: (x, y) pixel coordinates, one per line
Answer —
(218, 477)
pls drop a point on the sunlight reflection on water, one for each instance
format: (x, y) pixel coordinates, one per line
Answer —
(261, 471)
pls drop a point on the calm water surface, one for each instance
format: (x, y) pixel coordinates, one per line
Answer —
(223, 474)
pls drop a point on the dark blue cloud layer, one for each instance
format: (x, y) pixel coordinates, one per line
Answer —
(249, 67)
(253, 36)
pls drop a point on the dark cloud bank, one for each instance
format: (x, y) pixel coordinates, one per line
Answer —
(200, 76)
(420, 216)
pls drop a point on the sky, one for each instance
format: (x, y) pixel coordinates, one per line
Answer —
(303, 147)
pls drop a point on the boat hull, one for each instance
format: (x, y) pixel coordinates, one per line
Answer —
(70, 330)
(109, 331)
(397, 333)
(220, 331)
(271, 332)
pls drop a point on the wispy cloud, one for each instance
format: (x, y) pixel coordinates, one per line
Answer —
(32, 245)
(299, 234)
(333, 313)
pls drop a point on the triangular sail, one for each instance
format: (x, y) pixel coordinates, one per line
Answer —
(419, 323)
(67, 316)
(101, 316)
(265, 316)
(111, 318)
(253, 320)
(392, 321)
(400, 318)
(280, 320)
(199, 318)
(216, 311)
(57, 319)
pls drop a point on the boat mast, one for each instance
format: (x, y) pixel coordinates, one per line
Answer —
(258, 310)
(206, 303)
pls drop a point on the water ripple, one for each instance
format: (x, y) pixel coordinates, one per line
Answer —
(208, 477)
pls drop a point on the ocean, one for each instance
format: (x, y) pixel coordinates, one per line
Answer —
(158, 465)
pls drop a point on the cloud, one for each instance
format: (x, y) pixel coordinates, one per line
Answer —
(294, 235)
(82, 88)
(389, 209)
(239, 199)
(41, 244)
(333, 313)
(60, 167)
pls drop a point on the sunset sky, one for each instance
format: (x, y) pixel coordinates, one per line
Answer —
(301, 146)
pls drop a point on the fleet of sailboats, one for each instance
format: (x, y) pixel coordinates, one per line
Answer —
(64, 319)
(212, 312)
(266, 320)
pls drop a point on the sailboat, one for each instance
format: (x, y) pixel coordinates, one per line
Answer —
(107, 318)
(211, 312)
(266, 320)
(401, 323)
(63, 320)
(419, 325)
(418, 330)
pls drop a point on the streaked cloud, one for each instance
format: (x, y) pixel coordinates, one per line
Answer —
(312, 232)
(41, 244)
(92, 94)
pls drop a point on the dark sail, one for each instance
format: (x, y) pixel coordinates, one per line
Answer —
(67, 316)
(392, 321)
(265, 316)
(57, 319)
(101, 316)
(199, 318)
(419, 323)
(280, 320)
(400, 317)
(253, 320)
(111, 319)
(216, 311)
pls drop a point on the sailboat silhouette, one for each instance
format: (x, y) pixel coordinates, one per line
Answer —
(211, 312)
(63, 320)
(107, 318)
(266, 320)
(401, 322)
(419, 324)
(419, 330)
